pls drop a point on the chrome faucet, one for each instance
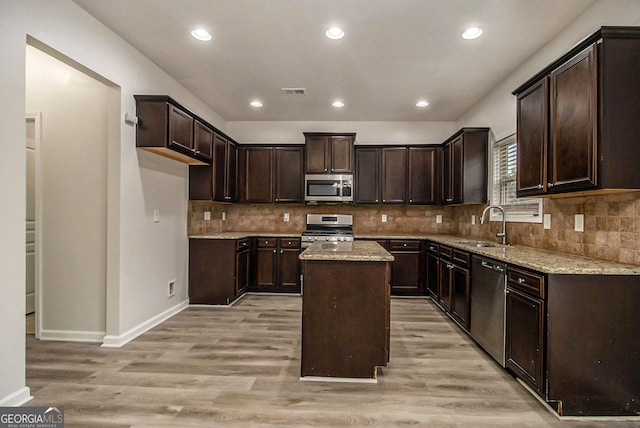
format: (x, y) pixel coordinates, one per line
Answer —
(502, 234)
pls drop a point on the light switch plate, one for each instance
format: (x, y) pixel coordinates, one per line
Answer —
(156, 215)
(473, 219)
(578, 224)
(384, 218)
(285, 217)
(439, 218)
(224, 215)
(207, 215)
(546, 220)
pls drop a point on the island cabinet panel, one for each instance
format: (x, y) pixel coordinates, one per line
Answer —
(218, 270)
(338, 340)
(577, 124)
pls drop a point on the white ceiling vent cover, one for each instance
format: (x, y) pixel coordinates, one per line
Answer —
(294, 91)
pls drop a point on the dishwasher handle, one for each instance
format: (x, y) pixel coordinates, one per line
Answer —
(497, 268)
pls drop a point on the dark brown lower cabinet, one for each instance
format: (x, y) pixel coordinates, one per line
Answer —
(525, 338)
(406, 269)
(454, 280)
(277, 265)
(218, 270)
(432, 270)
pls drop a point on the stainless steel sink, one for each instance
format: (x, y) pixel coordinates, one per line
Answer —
(478, 244)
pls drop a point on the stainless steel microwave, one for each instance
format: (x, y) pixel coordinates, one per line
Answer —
(328, 188)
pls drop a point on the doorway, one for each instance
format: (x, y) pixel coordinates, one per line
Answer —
(32, 147)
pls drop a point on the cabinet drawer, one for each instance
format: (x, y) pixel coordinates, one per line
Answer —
(446, 252)
(242, 244)
(530, 282)
(404, 245)
(267, 242)
(433, 248)
(461, 258)
(290, 243)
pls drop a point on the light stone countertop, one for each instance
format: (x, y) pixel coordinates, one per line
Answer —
(356, 251)
(540, 260)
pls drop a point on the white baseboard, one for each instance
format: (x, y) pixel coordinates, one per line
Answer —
(111, 341)
(72, 335)
(17, 398)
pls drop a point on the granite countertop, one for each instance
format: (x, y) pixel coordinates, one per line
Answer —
(242, 235)
(356, 251)
(540, 260)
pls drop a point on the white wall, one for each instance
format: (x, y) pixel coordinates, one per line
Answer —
(142, 256)
(366, 132)
(498, 109)
(73, 185)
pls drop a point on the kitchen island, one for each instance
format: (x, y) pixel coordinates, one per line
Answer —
(341, 339)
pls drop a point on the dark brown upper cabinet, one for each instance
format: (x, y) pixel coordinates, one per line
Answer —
(464, 167)
(328, 153)
(271, 174)
(168, 129)
(577, 118)
(423, 175)
(367, 176)
(394, 175)
(217, 181)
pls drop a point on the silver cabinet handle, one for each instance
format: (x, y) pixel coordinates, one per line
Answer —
(281, 251)
(274, 251)
(521, 280)
(549, 184)
(266, 242)
(540, 186)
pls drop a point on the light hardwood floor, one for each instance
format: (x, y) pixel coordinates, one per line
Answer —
(240, 366)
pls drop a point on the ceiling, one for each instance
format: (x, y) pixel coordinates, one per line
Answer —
(393, 54)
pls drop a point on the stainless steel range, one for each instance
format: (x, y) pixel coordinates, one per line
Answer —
(327, 227)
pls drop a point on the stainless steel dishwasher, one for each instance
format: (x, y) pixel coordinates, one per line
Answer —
(488, 285)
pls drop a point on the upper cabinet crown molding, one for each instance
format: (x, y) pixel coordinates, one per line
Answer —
(577, 119)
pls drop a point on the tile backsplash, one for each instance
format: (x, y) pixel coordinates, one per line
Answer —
(611, 223)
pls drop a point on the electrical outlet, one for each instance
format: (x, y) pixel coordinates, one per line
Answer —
(156, 215)
(224, 215)
(578, 224)
(207, 215)
(546, 221)
(439, 218)
(172, 288)
(384, 218)
(286, 217)
(473, 219)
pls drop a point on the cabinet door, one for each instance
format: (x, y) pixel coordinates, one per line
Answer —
(288, 175)
(525, 338)
(289, 269)
(447, 185)
(406, 269)
(257, 174)
(202, 140)
(231, 175)
(422, 175)
(317, 154)
(219, 167)
(394, 175)
(533, 131)
(242, 271)
(432, 277)
(573, 111)
(367, 177)
(457, 170)
(444, 294)
(180, 130)
(460, 296)
(266, 268)
(341, 155)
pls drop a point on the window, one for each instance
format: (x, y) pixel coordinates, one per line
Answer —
(504, 154)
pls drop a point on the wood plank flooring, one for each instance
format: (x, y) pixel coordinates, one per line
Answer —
(240, 366)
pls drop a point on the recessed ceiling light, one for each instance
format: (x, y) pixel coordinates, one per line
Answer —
(338, 104)
(334, 33)
(256, 103)
(422, 103)
(201, 34)
(472, 33)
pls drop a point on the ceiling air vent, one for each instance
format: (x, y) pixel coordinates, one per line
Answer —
(293, 91)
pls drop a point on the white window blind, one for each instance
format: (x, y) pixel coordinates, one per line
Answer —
(517, 209)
